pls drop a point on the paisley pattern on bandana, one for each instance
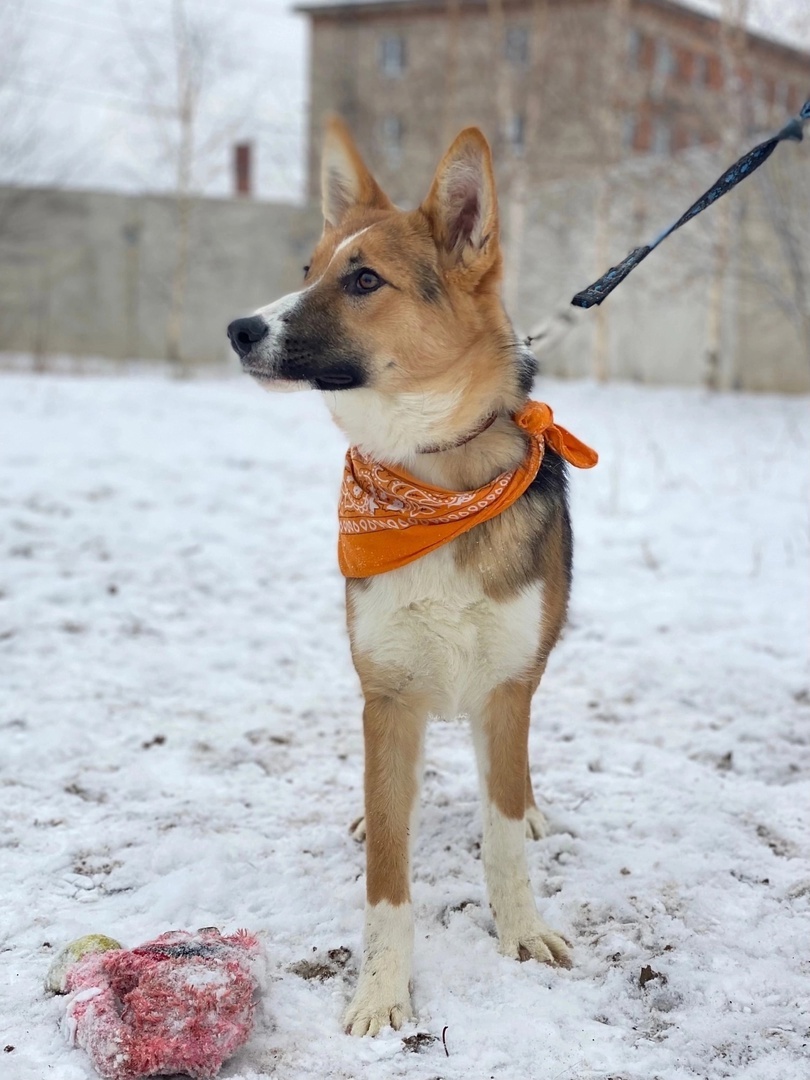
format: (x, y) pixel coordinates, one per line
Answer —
(388, 519)
(374, 498)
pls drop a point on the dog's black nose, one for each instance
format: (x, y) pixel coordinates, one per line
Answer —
(244, 333)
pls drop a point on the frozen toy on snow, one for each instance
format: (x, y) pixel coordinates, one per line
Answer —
(182, 1003)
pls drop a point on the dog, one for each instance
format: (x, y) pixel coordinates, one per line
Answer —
(400, 325)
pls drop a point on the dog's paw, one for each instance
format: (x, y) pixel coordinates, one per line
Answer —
(368, 1016)
(536, 941)
(536, 824)
(357, 829)
(383, 994)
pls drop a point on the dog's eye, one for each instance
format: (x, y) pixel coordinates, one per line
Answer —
(306, 271)
(366, 281)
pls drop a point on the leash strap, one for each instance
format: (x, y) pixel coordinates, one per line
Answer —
(747, 164)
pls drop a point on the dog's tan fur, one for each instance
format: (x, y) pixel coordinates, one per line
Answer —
(468, 628)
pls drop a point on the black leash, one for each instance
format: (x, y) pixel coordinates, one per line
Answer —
(597, 292)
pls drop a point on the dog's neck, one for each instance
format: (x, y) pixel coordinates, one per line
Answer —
(474, 445)
(454, 444)
(496, 449)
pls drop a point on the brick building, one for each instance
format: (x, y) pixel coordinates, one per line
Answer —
(564, 85)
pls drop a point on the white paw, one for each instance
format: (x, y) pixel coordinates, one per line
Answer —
(366, 1016)
(533, 940)
(383, 990)
(536, 824)
(357, 829)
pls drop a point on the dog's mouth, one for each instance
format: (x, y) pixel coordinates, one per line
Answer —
(339, 379)
(276, 383)
(342, 376)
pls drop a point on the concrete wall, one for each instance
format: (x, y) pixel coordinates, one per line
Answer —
(88, 274)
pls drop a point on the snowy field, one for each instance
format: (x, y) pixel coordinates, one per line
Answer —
(182, 747)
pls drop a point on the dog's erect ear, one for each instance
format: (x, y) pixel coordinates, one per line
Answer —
(462, 207)
(346, 182)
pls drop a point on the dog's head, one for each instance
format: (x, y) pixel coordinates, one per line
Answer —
(400, 312)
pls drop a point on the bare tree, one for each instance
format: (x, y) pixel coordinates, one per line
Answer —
(504, 152)
(171, 72)
(18, 134)
(636, 194)
(519, 147)
(195, 106)
(609, 140)
(777, 256)
(601, 125)
(24, 146)
(729, 119)
(27, 153)
(534, 60)
(20, 131)
(760, 235)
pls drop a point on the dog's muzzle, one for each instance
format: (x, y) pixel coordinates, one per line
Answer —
(287, 358)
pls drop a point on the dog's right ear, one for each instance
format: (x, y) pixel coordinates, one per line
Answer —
(346, 182)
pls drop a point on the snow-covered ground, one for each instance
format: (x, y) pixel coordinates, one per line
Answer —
(181, 740)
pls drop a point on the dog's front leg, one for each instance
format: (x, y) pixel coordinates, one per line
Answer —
(501, 734)
(393, 728)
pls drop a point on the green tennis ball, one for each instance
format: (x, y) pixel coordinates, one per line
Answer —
(56, 978)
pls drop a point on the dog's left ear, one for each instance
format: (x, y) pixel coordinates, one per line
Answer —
(462, 208)
(346, 181)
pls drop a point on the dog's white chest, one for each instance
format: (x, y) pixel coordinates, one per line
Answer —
(430, 622)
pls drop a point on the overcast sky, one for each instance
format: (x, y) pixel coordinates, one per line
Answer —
(78, 80)
(82, 82)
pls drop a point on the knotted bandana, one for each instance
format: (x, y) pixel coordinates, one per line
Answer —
(388, 519)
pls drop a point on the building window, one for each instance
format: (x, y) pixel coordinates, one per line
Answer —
(516, 133)
(629, 130)
(716, 76)
(392, 55)
(700, 71)
(516, 46)
(665, 61)
(634, 43)
(662, 135)
(392, 133)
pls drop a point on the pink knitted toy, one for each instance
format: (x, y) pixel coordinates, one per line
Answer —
(182, 1003)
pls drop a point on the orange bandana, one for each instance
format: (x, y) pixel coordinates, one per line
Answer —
(388, 519)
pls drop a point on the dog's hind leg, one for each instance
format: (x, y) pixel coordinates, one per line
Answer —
(501, 734)
(393, 727)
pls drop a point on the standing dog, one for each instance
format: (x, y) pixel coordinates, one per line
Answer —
(401, 326)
